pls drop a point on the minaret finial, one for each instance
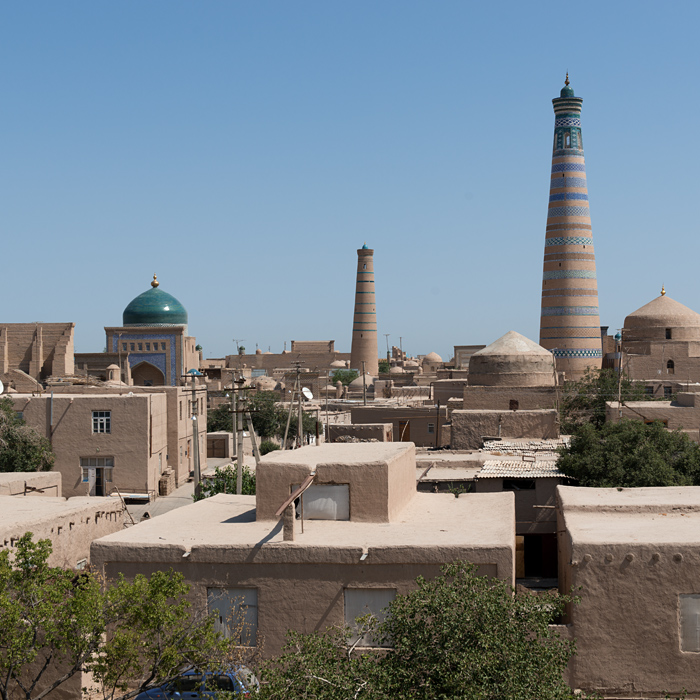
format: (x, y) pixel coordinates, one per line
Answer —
(663, 291)
(566, 82)
(155, 282)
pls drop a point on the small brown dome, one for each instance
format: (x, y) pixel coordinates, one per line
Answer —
(653, 319)
(512, 360)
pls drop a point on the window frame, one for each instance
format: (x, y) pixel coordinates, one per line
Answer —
(101, 422)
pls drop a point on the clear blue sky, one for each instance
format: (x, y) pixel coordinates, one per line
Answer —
(245, 150)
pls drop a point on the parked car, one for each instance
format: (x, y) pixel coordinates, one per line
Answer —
(192, 685)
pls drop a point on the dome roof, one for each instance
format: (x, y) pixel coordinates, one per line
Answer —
(396, 370)
(653, 319)
(154, 308)
(432, 357)
(337, 363)
(512, 360)
(265, 383)
(567, 90)
(357, 383)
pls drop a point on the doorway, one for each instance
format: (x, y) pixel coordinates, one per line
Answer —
(97, 474)
(404, 431)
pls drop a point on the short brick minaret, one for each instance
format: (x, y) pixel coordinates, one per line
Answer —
(569, 325)
(364, 327)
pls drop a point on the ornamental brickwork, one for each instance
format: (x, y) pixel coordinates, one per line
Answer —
(569, 324)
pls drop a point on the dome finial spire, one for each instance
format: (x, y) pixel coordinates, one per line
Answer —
(155, 282)
(566, 82)
(663, 291)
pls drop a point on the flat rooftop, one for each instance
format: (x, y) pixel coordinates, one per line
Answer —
(338, 453)
(437, 522)
(18, 512)
(627, 516)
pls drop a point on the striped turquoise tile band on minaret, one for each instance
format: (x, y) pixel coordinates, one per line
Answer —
(569, 321)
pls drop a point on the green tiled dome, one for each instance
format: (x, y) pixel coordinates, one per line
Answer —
(155, 308)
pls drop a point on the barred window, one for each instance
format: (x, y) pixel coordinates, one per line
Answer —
(101, 421)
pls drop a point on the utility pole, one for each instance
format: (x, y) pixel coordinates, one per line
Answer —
(388, 355)
(193, 374)
(297, 364)
(300, 422)
(401, 349)
(364, 385)
(239, 429)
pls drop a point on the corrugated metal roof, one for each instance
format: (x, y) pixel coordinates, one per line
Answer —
(519, 470)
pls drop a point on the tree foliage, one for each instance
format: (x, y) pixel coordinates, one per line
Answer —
(584, 401)
(630, 454)
(269, 418)
(132, 635)
(225, 480)
(460, 636)
(345, 376)
(22, 449)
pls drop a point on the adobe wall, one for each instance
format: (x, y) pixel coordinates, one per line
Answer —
(649, 360)
(381, 482)
(445, 389)
(137, 436)
(626, 626)
(529, 518)
(409, 424)
(382, 432)
(673, 415)
(31, 484)
(305, 592)
(179, 455)
(499, 397)
(38, 349)
(470, 427)
(71, 525)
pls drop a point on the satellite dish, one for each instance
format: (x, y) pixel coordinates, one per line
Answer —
(307, 393)
(2, 387)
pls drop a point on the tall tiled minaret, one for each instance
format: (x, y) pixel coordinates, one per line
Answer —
(364, 327)
(569, 325)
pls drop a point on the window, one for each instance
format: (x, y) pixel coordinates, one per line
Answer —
(106, 464)
(567, 141)
(325, 502)
(364, 267)
(667, 392)
(431, 428)
(180, 410)
(518, 484)
(148, 347)
(668, 334)
(19, 415)
(133, 347)
(690, 622)
(365, 601)
(162, 346)
(514, 404)
(123, 347)
(670, 367)
(180, 454)
(140, 347)
(236, 613)
(101, 421)
(649, 390)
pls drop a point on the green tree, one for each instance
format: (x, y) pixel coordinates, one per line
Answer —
(584, 401)
(220, 419)
(225, 480)
(459, 635)
(132, 635)
(22, 449)
(345, 376)
(384, 366)
(630, 454)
